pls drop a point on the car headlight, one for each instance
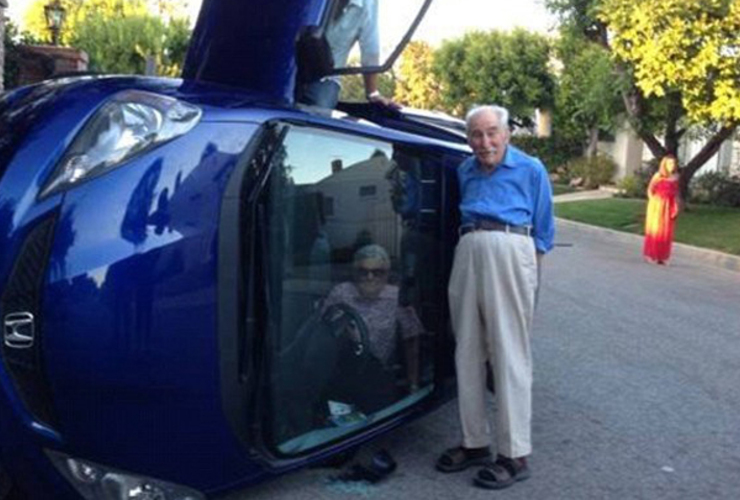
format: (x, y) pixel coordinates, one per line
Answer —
(130, 123)
(97, 482)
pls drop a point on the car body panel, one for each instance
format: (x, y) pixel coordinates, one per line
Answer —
(132, 286)
(250, 44)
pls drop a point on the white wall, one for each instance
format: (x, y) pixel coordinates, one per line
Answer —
(629, 152)
(353, 212)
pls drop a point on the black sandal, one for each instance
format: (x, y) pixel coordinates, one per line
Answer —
(459, 458)
(502, 473)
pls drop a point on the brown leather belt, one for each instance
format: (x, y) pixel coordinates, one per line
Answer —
(490, 225)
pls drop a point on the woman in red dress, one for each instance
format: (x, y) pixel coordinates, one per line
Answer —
(662, 210)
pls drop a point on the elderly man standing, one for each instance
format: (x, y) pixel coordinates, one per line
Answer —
(507, 226)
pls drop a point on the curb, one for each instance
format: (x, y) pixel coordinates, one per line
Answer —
(600, 194)
(681, 250)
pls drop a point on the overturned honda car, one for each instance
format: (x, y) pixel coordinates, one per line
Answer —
(206, 283)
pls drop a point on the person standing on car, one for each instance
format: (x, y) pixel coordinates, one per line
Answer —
(353, 21)
(507, 226)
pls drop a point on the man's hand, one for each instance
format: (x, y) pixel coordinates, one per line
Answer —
(379, 98)
(374, 95)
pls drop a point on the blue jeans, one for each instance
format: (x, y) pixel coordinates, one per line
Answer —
(323, 93)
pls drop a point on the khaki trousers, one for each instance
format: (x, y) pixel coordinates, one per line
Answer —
(492, 297)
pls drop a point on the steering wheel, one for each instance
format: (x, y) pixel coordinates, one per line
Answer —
(345, 322)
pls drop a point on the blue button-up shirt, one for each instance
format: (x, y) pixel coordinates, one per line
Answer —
(517, 193)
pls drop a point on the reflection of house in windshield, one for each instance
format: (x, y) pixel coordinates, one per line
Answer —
(357, 204)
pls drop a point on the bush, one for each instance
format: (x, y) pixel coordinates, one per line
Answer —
(553, 151)
(635, 185)
(716, 188)
(593, 172)
(14, 39)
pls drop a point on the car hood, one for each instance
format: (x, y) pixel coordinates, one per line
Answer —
(250, 44)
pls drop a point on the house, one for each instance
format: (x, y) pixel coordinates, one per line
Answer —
(360, 193)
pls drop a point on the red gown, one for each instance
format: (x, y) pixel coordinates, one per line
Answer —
(660, 218)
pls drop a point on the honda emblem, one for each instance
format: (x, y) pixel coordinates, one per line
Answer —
(19, 330)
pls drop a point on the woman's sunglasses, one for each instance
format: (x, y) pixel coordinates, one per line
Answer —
(367, 272)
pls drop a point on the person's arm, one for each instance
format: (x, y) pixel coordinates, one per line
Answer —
(651, 185)
(540, 259)
(411, 330)
(373, 94)
(543, 220)
(370, 55)
(543, 223)
(411, 350)
(678, 201)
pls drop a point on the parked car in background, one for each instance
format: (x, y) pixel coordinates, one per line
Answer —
(167, 247)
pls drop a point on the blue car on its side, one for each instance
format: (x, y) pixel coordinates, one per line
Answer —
(174, 256)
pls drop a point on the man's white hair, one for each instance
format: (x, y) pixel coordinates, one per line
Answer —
(501, 112)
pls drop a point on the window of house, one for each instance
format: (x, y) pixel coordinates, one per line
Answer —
(368, 191)
(328, 206)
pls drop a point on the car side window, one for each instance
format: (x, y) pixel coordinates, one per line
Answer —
(351, 266)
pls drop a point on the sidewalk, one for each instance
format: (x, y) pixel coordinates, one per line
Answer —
(680, 250)
(594, 194)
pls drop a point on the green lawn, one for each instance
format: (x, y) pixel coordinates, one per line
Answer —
(705, 226)
(561, 189)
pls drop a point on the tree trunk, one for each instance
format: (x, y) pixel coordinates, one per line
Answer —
(674, 113)
(593, 142)
(710, 148)
(633, 105)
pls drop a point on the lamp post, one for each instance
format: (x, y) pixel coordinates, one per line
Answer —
(54, 13)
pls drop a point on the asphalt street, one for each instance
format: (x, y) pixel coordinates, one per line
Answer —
(636, 395)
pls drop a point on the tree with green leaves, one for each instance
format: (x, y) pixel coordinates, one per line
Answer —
(682, 61)
(506, 68)
(119, 35)
(588, 96)
(13, 39)
(417, 86)
(353, 86)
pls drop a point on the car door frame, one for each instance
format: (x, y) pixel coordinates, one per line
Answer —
(241, 328)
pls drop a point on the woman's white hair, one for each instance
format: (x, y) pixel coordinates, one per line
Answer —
(372, 252)
(501, 112)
